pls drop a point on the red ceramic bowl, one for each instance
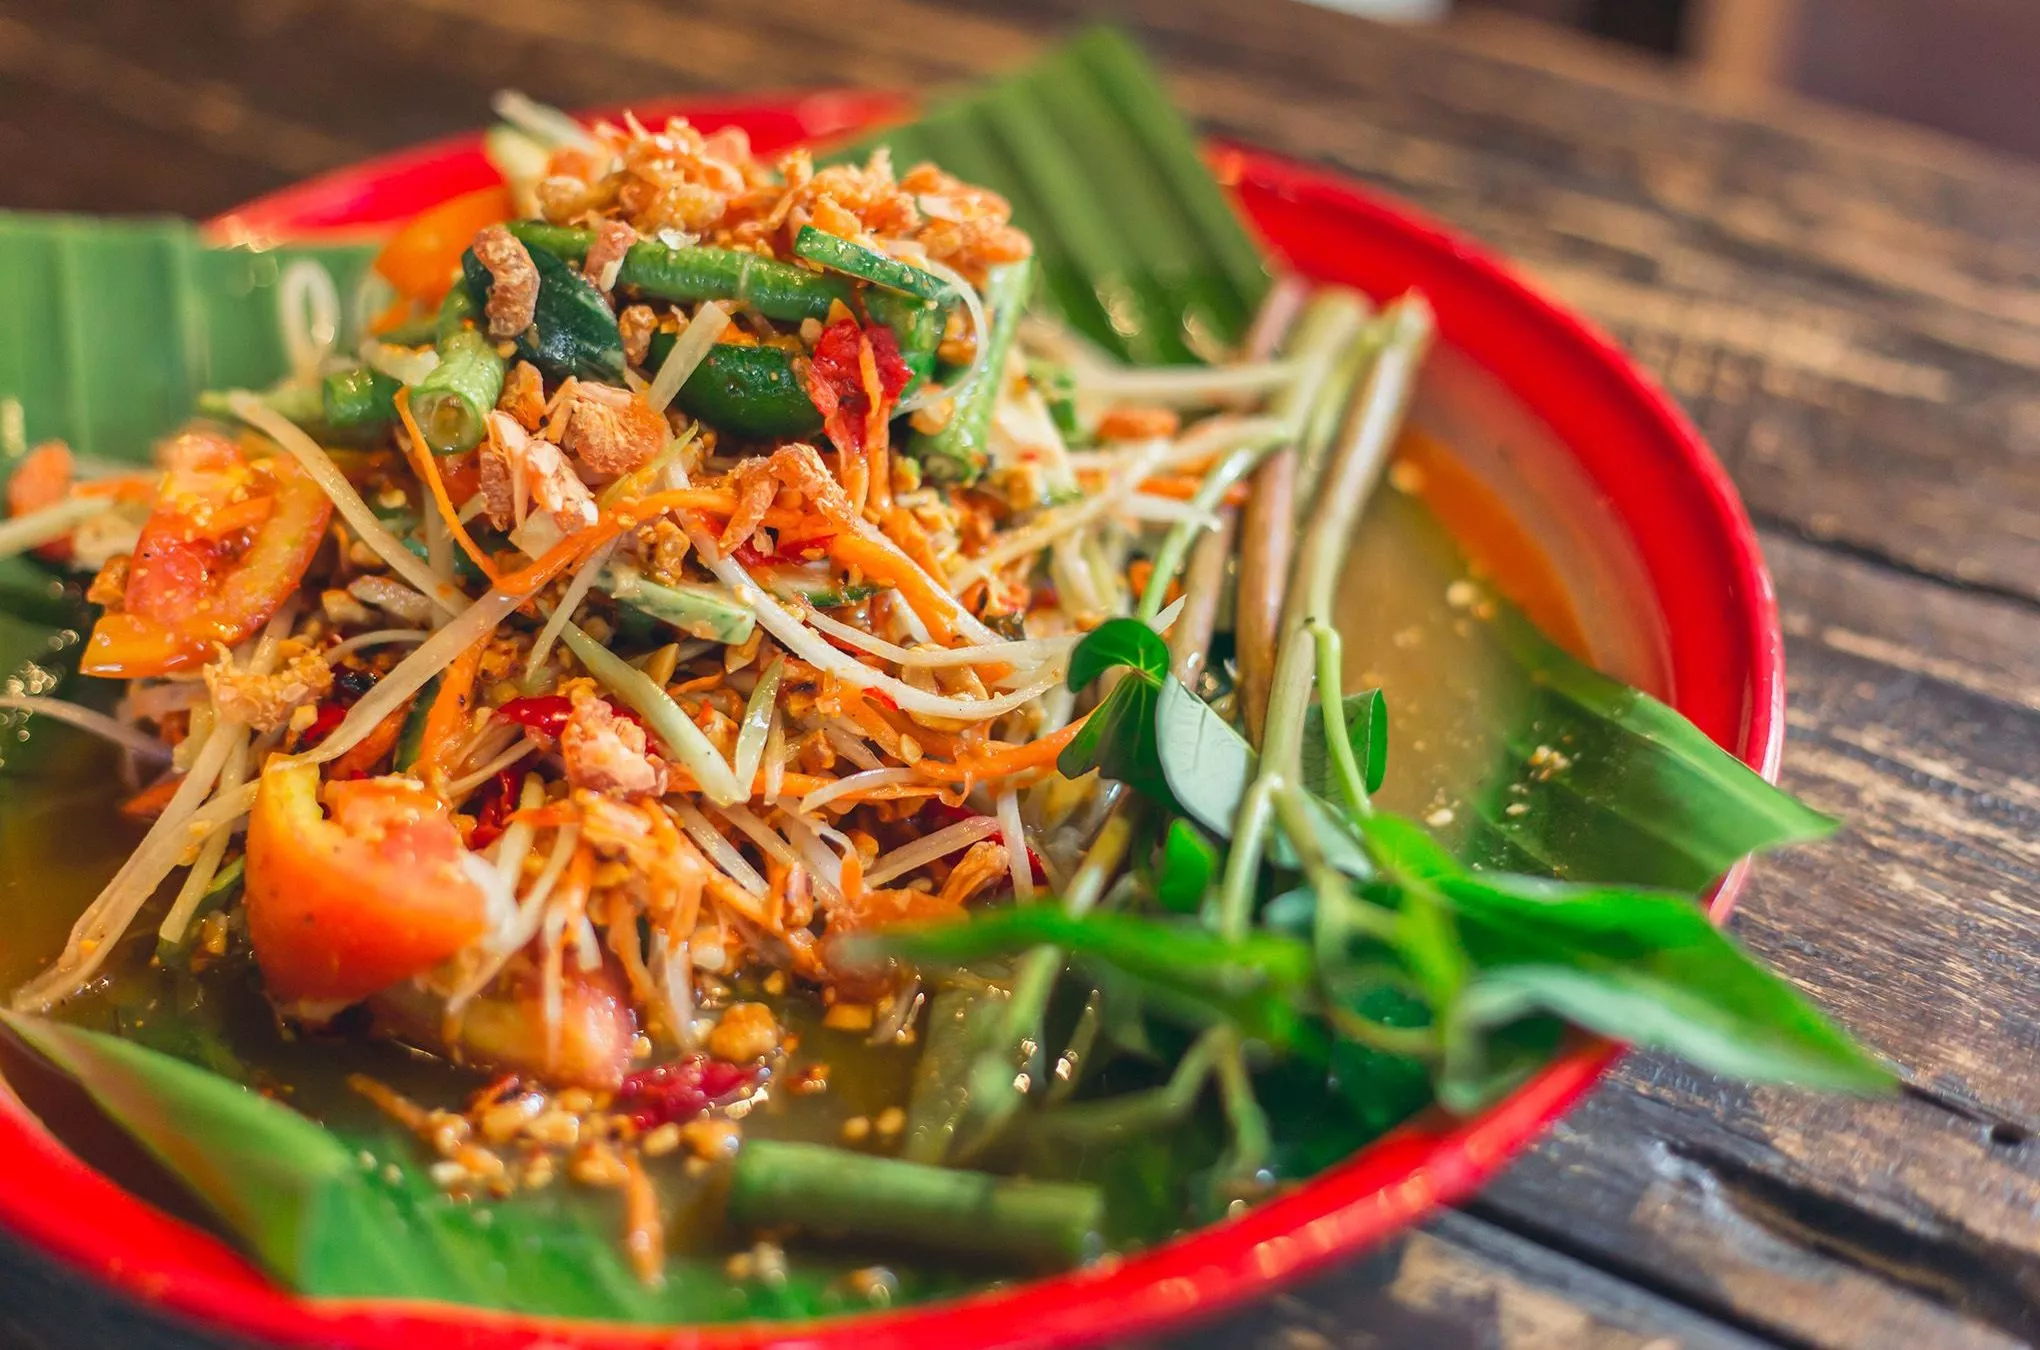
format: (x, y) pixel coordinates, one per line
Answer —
(1726, 672)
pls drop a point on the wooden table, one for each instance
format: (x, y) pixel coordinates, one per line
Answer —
(1851, 311)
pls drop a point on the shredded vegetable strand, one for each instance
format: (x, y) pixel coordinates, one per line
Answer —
(437, 652)
(46, 526)
(426, 465)
(345, 499)
(945, 841)
(855, 783)
(570, 600)
(696, 753)
(980, 333)
(692, 347)
(810, 647)
(466, 783)
(759, 711)
(719, 849)
(1014, 835)
(232, 776)
(378, 637)
(1020, 652)
(122, 734)
(93, 937)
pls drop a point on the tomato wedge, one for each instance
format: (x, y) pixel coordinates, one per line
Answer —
(342, 908)
(42, 479)
(505, 1030)
(225, 545)
(422, 259)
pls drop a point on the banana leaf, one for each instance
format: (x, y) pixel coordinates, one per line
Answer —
(1140, 250)
(349, 1215)
(110, 328)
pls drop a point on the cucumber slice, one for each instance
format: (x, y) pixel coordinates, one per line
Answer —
(697, 610)
(855, 260)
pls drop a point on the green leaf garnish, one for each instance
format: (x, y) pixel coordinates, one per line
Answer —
(1115, 643)
(1649, 968)
(1366, 731)
(1189, 863)
(335, 1215)
(1206, 763)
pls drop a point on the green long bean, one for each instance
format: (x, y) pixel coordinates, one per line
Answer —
(687, 275)
(452, 401)
(835, 1193)
(958, 452)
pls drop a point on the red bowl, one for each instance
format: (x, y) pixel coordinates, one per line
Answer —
(1725, 662)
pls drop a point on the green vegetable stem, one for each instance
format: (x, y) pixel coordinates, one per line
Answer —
(451, 402)
(651, 270)
(855, 260)
(958, 452)
(834, 1193)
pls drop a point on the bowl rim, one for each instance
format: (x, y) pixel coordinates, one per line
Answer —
(61, 1205)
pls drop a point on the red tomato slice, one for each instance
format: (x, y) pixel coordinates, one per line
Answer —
(341, 908)
(192, 583)
(42, 479)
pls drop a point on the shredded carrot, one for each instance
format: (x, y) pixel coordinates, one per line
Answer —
(715, 501)
(913, 584)
(878, 465)
(1137, 573)
(128, 487)
(360, 762)
(391, 1102)
(644, 1237)
(1035, 754)
(428, 473)
(884, 792)
(569, 552)
(150, 801)
(903, 529)
(543, 817)
(1183, 487)
(446, 721)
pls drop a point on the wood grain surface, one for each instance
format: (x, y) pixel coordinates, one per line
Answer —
(1851, 310)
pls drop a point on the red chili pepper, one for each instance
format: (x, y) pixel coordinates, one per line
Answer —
(546, 714)
(683, 1089)
(836, 378)
(882, 699)
(945, 814)
(329, 716)
(793, 548)
(499, 799)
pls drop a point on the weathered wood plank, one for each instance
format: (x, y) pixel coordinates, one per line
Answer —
(1851, 312)
(1461, 1283)
(1828, 1222)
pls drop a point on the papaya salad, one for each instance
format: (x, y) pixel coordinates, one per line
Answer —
(795, 733)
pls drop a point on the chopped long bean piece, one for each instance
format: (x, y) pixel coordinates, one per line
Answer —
(688, 275)
(855, 260)
(452, 401)
(834, 1193)
(958, 452)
